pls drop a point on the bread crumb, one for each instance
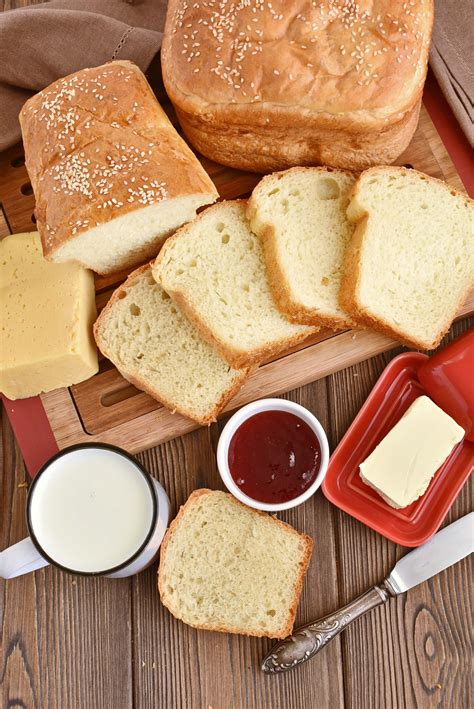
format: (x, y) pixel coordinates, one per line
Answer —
(23, 484)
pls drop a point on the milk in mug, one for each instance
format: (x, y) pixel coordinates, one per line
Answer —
(92, 510)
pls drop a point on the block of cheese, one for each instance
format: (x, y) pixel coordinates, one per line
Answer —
(47, 311)
(402, 465)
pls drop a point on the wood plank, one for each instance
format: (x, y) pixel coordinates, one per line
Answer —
(65, 641)
(425, 632)
(178, 666)
(13, 4)
(4, 228)
(427, 149)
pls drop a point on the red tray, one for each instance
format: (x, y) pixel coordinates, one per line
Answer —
(394, 392)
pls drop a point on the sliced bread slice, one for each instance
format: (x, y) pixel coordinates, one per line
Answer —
(158, 350)
(410, 263)
(214, 269)
(300, 216)
(227, 567)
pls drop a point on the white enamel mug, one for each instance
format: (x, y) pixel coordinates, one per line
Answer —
(51, 496)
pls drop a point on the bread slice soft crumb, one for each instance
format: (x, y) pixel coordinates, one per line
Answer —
(410, 264)
(158, 350)
(215, 271)
(227, 567)
(300, 216)
(130, 239)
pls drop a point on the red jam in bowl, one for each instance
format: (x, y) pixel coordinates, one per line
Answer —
(274, 456)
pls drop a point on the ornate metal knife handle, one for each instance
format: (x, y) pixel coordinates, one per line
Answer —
(310, 639)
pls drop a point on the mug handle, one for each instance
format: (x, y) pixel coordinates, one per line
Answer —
(19, 559)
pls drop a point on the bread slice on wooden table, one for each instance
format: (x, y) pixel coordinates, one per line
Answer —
(410, 263)
(111, 176)
(230, 568)
(300, 216)
(158, 350)
(215, 270)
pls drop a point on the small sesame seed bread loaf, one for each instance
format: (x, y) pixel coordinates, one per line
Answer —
(153, 346)
(214, 269)
(111, 176)
(410, 263)
(266, 85)
(300, 216)
(227, 567)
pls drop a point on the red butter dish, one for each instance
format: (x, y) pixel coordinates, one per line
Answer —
(449, 377)
(399, 385)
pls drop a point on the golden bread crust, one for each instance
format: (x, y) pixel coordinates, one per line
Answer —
(312, 73)
(234, 356)
(99, 146)
(193, 499)
(281, 289)
(143, 384)
(348, 294)
(281, 145)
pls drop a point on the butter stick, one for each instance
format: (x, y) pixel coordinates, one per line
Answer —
(402, 465)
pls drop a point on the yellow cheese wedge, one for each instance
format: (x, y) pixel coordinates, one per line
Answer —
(46, 315)
(402, 465)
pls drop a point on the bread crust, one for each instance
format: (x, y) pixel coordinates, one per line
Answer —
(297, 83)
(98, 146)
(141, 383)
(279, 285)
(350, 283)
(235, 357)
(193, 499)
(280, 146)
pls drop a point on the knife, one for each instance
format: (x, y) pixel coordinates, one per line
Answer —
(447, 547)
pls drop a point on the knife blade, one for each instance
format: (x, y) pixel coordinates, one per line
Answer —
(446, 548)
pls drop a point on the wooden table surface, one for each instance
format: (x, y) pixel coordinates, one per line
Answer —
(77, 643)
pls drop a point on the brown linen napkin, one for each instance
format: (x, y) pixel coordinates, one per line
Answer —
(451, 58)
(41, 43)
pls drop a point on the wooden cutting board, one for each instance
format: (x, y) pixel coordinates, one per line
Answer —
(107, 408)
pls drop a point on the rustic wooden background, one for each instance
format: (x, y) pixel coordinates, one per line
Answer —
(74, 643)
(77, 643)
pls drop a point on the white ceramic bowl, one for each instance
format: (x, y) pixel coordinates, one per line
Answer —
(237, 420)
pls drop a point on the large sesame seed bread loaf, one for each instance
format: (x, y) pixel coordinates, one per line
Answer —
(300, 216)
(214, 269)
(155, 347)
(111, 176)
(266, 85)
(227, 567)
(410, 263)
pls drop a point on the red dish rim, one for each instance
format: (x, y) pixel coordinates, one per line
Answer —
(397, 387)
